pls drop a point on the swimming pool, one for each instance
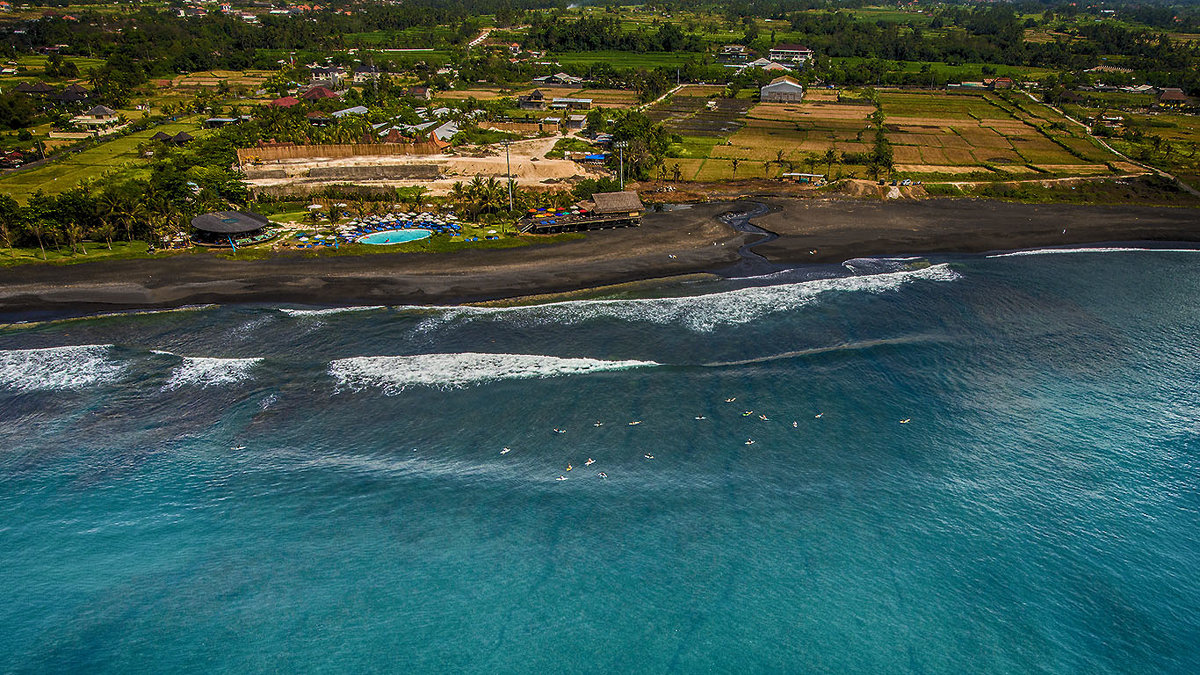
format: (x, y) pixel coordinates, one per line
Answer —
(394, 237)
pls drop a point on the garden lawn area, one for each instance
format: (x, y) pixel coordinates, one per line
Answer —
(693, 147)
(96, 250)
(118, 155)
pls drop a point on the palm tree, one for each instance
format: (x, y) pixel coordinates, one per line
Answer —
(830, 157)
(106, 230)
(38, 229)
(10, 219)
(458, 194)
(74, 235)
(417, 195)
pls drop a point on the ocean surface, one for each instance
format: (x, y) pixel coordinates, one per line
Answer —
(945, 465)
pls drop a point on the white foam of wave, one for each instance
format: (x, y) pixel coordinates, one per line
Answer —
(701, 313)
(1049, 251)
(208, 372)
(397, 373)
(331, 310)
(57, 368)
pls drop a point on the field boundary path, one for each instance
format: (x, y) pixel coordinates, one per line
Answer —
(1186, 188)
(670, 93)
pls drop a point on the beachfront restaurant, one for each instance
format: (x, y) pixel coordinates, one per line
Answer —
(230, 229)
(604, 210)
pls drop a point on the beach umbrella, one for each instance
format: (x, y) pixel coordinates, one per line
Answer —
(303, 238)
(491, 232)
(314, 207)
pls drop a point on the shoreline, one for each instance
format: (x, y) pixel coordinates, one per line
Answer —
(669, 245)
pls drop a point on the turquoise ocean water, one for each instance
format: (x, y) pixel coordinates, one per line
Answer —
(990, 464)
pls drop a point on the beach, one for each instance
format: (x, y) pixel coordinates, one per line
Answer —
(670, 243)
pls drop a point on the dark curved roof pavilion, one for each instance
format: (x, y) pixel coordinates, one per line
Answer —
(229, 222)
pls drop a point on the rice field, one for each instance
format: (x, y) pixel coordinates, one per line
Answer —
(931, 133)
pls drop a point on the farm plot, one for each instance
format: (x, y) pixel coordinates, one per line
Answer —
(676, 108)
(609, 98)
(914, 107)
(477, 94)
(723, 117)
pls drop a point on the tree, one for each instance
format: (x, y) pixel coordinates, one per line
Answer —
(37, 228)
(10, 221)
(830, 157)
(735, 164)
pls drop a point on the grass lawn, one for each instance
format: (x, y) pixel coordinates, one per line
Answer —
(693, 147)
(95, 251)
(119, 155)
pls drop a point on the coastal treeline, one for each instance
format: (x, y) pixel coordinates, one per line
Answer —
(150, 42)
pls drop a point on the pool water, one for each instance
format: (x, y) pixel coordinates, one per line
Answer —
(394, 237)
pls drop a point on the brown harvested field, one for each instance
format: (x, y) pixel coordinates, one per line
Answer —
(959, 156)
(936, 168)
(477, 94)
(608, 98)
(702, 90)
(932, 155)
(811, 111)
(820, 96)
(213, 78)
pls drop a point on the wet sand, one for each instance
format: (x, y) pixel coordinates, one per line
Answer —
(835, 229)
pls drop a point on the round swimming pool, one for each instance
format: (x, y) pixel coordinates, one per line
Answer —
(393, 237)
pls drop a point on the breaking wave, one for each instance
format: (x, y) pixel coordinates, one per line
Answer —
(701, 313)
(208, 372)
(393, 374)
(1049, 251)
(328, 311)
(57, 368)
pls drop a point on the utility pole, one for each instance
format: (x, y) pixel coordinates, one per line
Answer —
(621, 145)
(508, 165)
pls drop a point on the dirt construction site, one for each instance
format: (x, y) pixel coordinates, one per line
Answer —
(436, 172)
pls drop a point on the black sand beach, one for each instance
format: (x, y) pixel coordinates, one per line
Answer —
(668, 244)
